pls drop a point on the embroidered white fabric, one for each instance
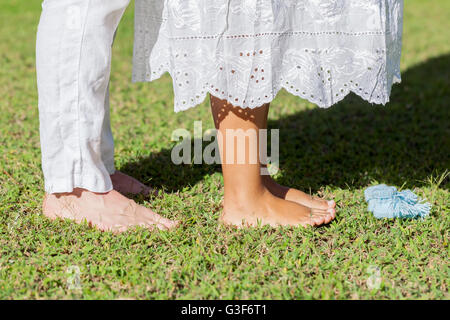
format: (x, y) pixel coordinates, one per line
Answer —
(245, 51)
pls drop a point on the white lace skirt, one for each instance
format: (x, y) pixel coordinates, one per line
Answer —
(245, 51)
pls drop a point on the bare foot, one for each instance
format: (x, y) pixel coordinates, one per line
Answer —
(267, 209)
(297, 196)
(128, 185)
(109, 211)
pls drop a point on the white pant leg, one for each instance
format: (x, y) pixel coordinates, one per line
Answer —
(73, 61)
(107, 141)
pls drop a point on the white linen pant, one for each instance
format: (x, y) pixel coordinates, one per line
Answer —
(73, 62)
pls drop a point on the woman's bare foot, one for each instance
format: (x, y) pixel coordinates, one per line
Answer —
(109, 211)
(267, 209)
(297, 196)
(128, 185)
(249, 198)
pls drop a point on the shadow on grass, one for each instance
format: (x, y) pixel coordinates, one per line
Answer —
(350, 144)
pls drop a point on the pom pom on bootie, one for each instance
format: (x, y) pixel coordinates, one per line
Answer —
(386, 202)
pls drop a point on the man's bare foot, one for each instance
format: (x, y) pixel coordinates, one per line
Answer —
(297, 196)
(267, 209)
(109, 211)
(128, 185)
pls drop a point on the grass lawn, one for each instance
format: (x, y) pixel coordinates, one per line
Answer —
(336, 152)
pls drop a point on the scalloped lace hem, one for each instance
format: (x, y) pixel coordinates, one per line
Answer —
(199, 96)
(246, 52)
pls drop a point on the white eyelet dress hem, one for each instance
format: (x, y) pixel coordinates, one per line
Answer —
(246, 51)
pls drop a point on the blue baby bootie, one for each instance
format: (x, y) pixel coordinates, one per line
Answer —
(386, 202)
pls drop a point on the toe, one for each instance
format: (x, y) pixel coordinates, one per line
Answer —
(332, 213)
(328, 219)
(328, 216)
(119, 229)
(168, 223)
(323, 216)
(318, 220)
(162, 227)
(164, 222)
(152, 225)
(175, 223)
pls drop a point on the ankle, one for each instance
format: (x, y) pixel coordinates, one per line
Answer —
(238, 198)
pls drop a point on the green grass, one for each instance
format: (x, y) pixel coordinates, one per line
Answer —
(336, 152)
